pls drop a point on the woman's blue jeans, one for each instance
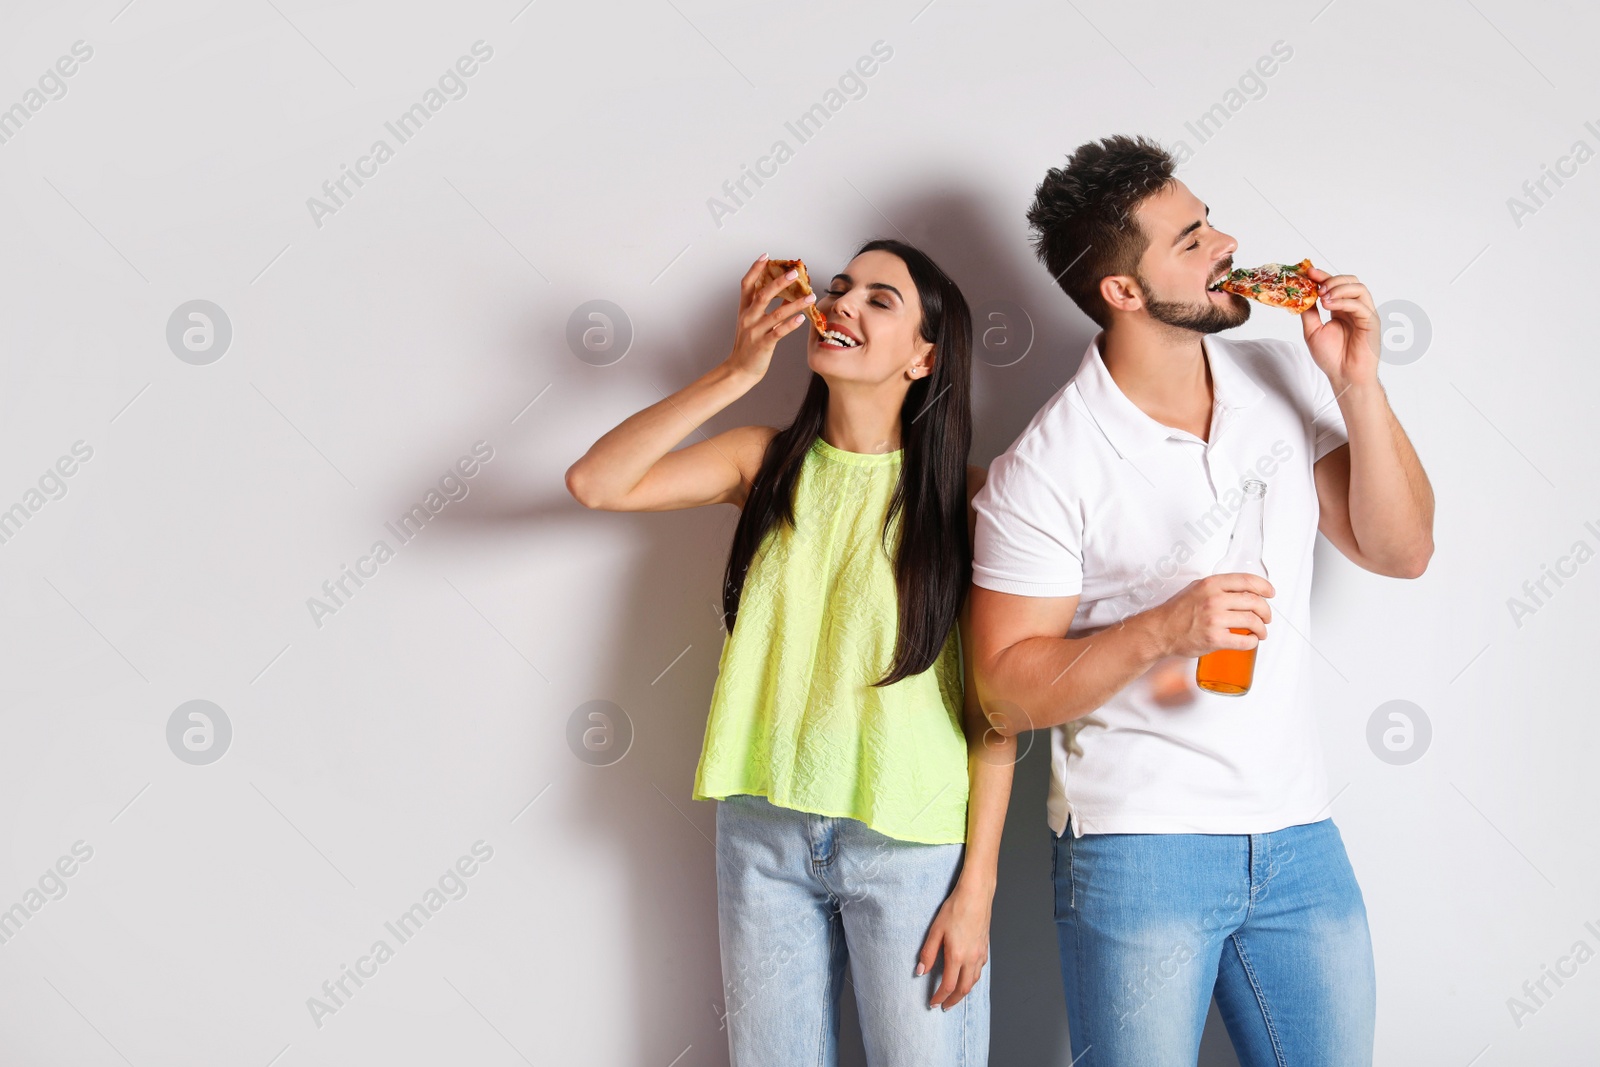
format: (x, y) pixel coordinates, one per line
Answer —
(1152, 925)
(797, 896)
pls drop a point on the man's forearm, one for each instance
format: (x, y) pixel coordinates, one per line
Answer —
(1391, 502)
(1046, 681)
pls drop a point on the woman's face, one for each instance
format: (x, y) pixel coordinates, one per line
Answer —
(875, 324)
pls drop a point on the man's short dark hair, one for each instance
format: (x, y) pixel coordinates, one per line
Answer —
(1082, 221)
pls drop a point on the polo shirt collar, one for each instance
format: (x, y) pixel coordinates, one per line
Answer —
(1129, 429)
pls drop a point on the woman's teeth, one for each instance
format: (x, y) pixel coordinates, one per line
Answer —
(835, 337)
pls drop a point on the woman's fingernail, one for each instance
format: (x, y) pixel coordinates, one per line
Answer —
(811, 298)
(763, 256)
(919, 970)
(792, 274)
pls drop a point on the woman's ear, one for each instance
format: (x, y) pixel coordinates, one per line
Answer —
(922, 362)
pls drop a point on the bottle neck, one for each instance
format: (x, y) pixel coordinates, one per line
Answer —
(1245, 546)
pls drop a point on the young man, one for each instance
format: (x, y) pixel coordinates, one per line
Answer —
(1194, 854)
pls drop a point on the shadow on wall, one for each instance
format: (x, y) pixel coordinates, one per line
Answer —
(640, 808)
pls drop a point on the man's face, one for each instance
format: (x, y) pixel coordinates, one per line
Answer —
(1184, 256)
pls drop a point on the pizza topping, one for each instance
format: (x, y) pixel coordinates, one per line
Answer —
(1273, 284)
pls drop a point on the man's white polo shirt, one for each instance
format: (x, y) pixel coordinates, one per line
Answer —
(1097, 499)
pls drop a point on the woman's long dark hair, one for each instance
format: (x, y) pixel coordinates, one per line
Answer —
(933, 565)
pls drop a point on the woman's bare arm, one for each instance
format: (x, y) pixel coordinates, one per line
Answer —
(962, 926)
(633, 467)
(992, 755)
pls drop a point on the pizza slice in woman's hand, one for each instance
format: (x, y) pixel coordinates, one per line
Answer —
(1273, 284)
(777, 268)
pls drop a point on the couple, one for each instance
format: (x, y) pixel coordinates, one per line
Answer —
(865, 716)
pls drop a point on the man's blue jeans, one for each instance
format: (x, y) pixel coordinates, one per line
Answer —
(1151, 925)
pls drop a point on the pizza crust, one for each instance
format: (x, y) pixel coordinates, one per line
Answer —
(777, 268)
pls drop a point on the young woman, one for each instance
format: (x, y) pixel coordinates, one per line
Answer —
(861, 793)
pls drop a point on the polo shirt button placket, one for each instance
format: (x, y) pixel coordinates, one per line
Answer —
(1204, 463)
(1218, 419)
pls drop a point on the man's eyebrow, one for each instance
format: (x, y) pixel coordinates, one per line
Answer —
(870, 285)
(1193, 226)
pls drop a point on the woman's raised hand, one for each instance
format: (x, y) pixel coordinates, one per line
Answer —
(759, 330)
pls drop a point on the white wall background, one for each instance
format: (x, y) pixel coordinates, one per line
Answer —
(432, 710)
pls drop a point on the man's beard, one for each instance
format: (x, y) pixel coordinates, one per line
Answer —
(1201, 318)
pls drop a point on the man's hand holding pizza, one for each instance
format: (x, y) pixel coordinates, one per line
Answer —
(1347, 346)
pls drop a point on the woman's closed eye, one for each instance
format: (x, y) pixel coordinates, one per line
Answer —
(837, 293)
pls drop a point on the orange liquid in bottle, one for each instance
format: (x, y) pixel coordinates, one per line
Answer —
(1227, 670)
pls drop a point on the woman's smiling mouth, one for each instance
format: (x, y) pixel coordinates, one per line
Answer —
(838, 337)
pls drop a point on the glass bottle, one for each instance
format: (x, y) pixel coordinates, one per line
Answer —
(1228, 671)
